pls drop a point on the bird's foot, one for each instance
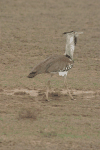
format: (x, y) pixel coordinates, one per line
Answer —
(47, 100)
(73, 99)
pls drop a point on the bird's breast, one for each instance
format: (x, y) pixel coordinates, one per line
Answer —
(63, 73)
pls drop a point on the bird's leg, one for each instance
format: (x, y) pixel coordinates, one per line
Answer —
(48, 89)
(65, 83)
(66, 86)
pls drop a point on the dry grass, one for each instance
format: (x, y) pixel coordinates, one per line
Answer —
(21, 93)
(30, 32)
(27, 113)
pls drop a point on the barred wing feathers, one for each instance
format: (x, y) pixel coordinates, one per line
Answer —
(53, 63)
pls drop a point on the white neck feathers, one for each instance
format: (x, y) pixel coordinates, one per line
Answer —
(70, 46)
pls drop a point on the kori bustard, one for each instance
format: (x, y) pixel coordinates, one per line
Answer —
(60, 64)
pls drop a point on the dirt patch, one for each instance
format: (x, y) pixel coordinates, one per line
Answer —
(1, 90)
(53, 122)
(30, 32)
(21, 92)
(53, 93)
(26, 113)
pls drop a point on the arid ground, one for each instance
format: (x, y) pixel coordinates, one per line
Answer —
(30, 31)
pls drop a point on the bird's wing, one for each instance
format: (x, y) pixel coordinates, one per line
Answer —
(54, 63)
(41, 67)
(59, 63)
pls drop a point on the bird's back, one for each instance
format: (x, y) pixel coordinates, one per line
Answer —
(54, 63)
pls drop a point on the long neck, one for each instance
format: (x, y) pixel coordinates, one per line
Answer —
(70, 46)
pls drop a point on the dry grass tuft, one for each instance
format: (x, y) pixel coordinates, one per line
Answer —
(27, 113)
(21, 93)
(55, 93)
(1, 90)
(41, 92)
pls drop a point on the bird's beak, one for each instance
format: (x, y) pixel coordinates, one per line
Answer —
(78, 33)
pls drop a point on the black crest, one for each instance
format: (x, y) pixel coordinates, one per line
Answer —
(68, 32)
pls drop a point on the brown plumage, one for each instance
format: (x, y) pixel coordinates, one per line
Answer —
(54, 63)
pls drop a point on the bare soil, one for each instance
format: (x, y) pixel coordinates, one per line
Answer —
(30, 31)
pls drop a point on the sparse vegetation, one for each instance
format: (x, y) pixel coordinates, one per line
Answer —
(27, 114)
(30, 32)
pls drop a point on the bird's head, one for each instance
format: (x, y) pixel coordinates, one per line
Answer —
(71, 40)
(74, 33)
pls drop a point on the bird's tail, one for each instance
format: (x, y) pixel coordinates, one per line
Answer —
(32, 74)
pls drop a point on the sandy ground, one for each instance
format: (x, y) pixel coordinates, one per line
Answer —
(30, 31)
